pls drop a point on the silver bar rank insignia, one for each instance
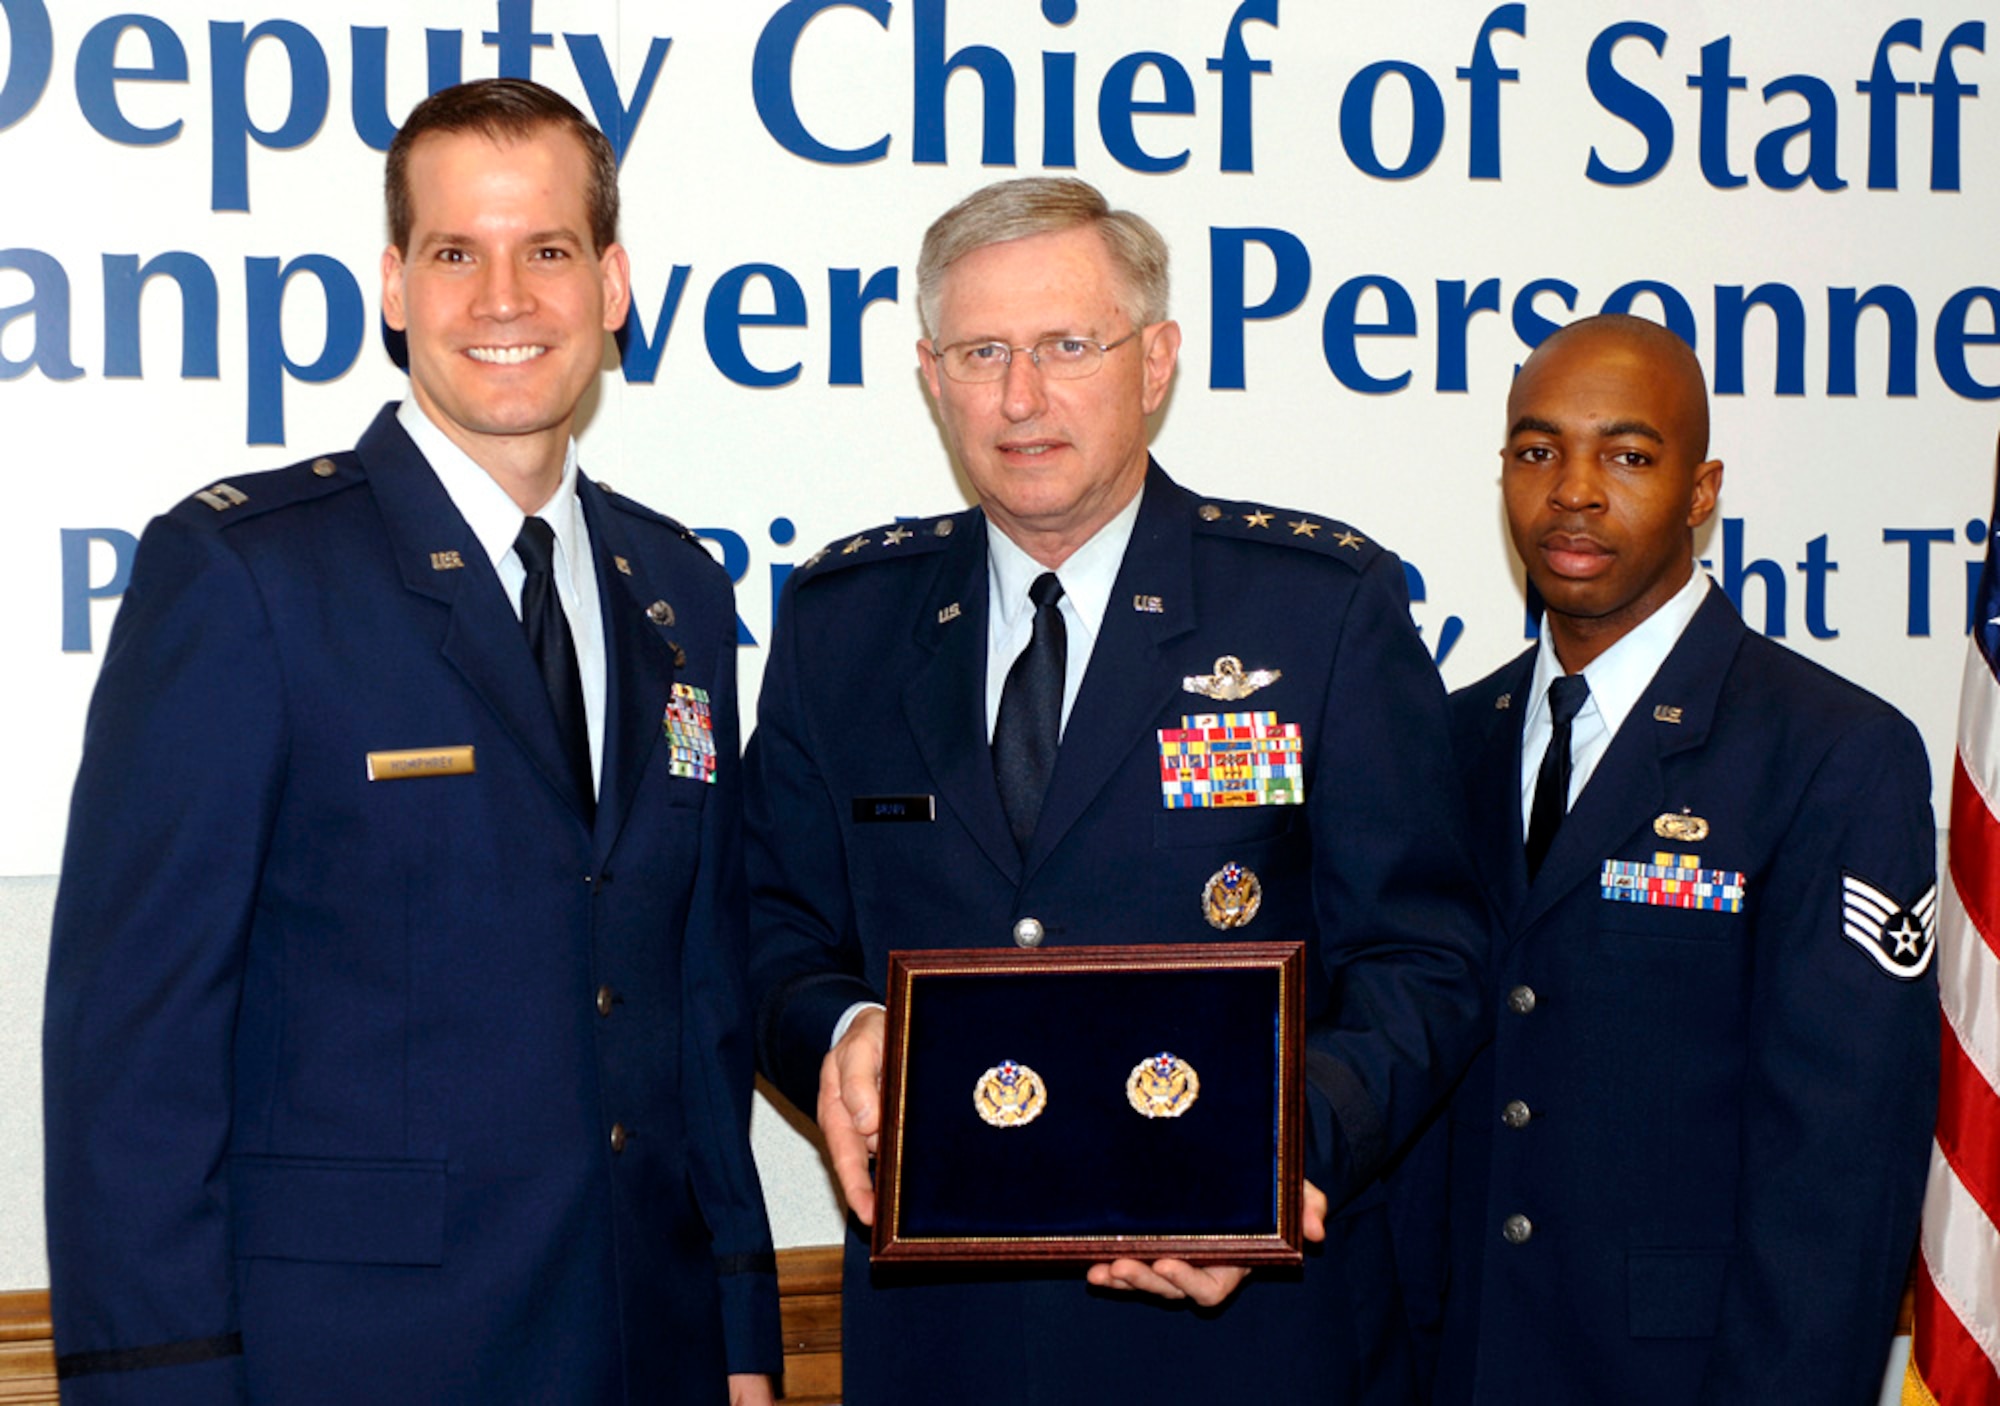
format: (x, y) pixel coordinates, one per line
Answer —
(690, 734)
(1235, 759)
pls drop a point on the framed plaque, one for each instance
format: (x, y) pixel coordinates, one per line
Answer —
(1093, 1103)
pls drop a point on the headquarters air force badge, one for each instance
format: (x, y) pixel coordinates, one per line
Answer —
(690, 734)
(1901, 940)
(1230, 681)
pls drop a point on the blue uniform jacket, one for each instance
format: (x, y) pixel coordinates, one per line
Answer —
(876, 686)
(332, 1067)
(1712, 1125)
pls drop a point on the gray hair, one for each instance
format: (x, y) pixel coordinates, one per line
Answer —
(1017, 209)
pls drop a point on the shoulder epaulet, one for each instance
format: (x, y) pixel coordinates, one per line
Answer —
(233, 500)
(1281, 527)
(901, 538)
(639, 510)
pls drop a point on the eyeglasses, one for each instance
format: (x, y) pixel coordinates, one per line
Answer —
(1058, 358)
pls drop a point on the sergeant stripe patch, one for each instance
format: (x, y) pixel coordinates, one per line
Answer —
(1901, 940)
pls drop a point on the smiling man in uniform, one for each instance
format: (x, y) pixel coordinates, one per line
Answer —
(1688, 1168)
(395, 1045)
(1011, 672)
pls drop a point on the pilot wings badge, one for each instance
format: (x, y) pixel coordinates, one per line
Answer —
(1230, 680)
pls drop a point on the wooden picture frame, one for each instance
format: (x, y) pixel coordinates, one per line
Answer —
(1208, 1170)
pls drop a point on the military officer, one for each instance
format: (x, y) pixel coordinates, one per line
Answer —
(395, 1045)
(1015, 668)
(1688, 1167)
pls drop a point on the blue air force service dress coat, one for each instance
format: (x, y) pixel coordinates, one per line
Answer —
(876, 686)
(400, 1090)
(1688, 1168)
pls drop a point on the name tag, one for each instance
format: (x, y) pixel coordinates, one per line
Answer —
(420, 761)
(893, 810)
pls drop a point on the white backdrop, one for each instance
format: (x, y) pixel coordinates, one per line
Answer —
(1340, 183)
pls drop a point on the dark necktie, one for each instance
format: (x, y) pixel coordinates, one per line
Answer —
(1030, 722)
(1566, 698)
(555, 654)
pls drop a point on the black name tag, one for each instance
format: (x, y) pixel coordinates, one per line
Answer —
(890, 810)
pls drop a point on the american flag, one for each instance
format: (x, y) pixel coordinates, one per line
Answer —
(1955, 1356)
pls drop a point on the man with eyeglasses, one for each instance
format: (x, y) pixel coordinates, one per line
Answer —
(1016, 679)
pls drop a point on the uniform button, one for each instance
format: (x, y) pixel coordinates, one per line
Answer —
(325, 468)
(1516, 1114)
(1521, 1000)
(1028, 933)
(605, 999)
(1517, 1230)
(618, 1142)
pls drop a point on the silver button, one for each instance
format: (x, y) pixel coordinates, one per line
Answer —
(606, 999)
(1028, 933)
(1517, 1230)
(1516, 1114)
(660, 613)
(618, 1139)
(325, 468)
(1521, 1000)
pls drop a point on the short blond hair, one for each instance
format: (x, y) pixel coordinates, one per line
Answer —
(1018, 209)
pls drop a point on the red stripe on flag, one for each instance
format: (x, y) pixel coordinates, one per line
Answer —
(1968, 1126)
(1975, 854)
(1954, 1367)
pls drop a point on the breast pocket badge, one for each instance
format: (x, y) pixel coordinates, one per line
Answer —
(690, 734)
(1232, 759)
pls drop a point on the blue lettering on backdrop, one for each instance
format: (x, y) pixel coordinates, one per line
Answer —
(78, 592)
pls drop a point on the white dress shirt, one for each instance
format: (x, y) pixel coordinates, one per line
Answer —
(495, 519)
(1617, 678)
(1087, 578)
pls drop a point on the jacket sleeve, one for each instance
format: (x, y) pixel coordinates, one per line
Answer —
(716, 1025)
(1840, 1090)
(806, 958)
(182, 768)
(1403, 932)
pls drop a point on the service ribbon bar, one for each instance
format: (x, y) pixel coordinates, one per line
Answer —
(1672, 881)
(1232, 759)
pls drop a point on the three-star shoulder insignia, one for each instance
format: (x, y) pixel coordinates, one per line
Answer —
(902, 538)
(1259, 522)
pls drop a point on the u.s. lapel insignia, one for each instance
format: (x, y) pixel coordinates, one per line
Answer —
(1901, 940)
(1667, 713)
(1148, 605)
(690, 734)
(1230, 681)
(1672, 881)
(1235, 759)
(1503, 702)
(949, 613)
(1231, 897)
(447, 561)
(1688, 829)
